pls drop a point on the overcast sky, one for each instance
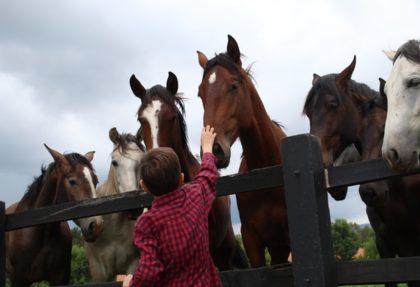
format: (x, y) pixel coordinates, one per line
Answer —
(65, 67)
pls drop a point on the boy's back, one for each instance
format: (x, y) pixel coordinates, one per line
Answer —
(172, 236)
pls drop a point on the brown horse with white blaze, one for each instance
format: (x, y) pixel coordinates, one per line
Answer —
(43, 252)
(235, 110)
(161, 115)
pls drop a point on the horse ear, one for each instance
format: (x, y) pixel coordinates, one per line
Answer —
(202, 59)
(60, 159)
(172, 83)
(390, 54)
(114, 136)
(344, 77)
(89, 155)
(315, 79)
(137, 87)
(233, 50)
(382, 94)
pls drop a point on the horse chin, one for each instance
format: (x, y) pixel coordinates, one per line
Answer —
(91, 229)
(223, 162)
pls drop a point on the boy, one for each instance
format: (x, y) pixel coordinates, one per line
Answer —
(172, 236)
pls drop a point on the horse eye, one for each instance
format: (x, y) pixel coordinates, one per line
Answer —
(114, 163)
(72, 181)
(232, 87)
(333, 105)
(412, 83)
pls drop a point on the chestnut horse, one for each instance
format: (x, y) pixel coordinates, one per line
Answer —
(233, 107)
(43, 252)
(336, 111)
(161, 115)
(114, 252)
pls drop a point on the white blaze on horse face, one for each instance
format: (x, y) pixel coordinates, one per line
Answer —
(88, 176)
(151, 114)
(212, 78)
(402, 126)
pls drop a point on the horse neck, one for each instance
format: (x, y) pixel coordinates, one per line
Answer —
(48, 191)
(189, 164)
(261, 140)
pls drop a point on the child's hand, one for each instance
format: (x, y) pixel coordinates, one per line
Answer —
(207, 139)
(127, 280)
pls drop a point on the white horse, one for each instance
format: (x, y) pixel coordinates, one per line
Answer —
(114, 252)
(401, 144)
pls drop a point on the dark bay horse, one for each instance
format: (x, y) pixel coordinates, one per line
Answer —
(235, 110)
(356, 115)
(43, 252)
(161, 115)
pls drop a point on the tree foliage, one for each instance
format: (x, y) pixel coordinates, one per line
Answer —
(346, 240)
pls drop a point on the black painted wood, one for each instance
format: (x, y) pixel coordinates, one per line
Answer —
(361, 172)
(2, 244)
(73, 210)
(308, 213)
(378, 271)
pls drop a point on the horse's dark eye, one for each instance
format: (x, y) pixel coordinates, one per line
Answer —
(232, 87)
(333, 105)
(114, 163)
(413, 83)
(72, 181)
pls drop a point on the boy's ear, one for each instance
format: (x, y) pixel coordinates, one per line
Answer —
(142, 185)
(181, 179)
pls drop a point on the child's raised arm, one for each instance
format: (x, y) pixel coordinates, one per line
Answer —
(207, 139)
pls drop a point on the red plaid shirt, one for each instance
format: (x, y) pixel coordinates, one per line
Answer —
(172, 236)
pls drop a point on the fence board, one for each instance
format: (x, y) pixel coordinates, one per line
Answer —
(378, 271)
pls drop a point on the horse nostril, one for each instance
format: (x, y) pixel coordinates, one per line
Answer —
(217, 150)
(393, 155)
(92, 227)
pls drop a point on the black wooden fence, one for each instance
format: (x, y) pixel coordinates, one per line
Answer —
(305, 181)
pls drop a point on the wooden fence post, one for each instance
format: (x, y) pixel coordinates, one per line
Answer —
(2, 244)
(308, 212)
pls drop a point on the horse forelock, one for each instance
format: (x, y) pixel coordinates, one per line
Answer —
(225, 61)
(124, 142)
(410, 50)
(358, 91)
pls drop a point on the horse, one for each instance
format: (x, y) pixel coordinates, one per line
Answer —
(401, 145)
(114, 252)
(362, 110)
(161, 115)
(43, 252)
(233, 107)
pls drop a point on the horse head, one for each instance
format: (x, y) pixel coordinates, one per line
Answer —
(225, 91)
(76, 181)
(401, 146)
(126, 156)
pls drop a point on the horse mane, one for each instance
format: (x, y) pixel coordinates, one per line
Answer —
(358, 91)
(125, 140)
(35, 187)
(410, 50)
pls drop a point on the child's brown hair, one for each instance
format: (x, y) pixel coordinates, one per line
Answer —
(160, 170)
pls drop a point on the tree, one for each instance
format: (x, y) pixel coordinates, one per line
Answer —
(79, 264)
(345, 239)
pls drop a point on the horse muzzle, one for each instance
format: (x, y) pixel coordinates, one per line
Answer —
(222, 154)
(92, 228)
